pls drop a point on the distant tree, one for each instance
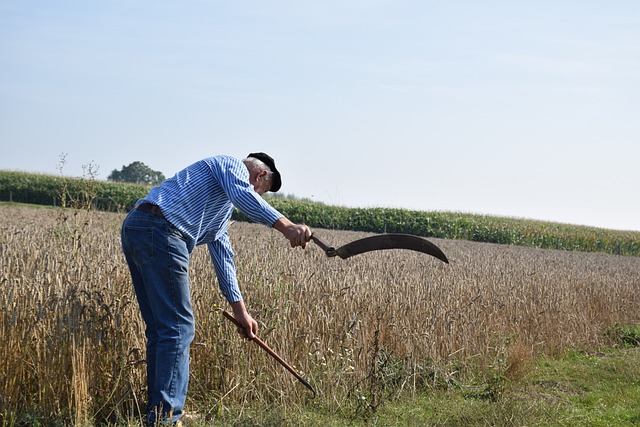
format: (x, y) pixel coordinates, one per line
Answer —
(137, 173)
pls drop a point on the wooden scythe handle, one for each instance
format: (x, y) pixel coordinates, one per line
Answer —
(329, 250)
(271, 353)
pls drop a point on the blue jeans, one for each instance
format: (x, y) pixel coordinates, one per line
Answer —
(158, 260)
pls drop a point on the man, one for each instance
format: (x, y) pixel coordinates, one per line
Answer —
(193, 207)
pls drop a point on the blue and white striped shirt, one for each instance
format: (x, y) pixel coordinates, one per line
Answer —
(199, 201)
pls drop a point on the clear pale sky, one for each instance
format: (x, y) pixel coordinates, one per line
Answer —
(525, 109)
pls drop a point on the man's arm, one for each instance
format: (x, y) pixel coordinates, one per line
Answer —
(298, 235)
(223, 263)
(222, 257)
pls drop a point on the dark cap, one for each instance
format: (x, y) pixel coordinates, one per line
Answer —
(267, 160)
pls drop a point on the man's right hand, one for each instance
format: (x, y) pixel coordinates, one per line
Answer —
(297, 234)
(250, 326)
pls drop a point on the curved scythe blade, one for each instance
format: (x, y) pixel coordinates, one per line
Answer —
(390, 241)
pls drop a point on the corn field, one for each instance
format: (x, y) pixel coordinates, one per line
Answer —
(361, 330)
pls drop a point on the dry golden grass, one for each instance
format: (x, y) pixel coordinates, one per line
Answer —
(361, 330)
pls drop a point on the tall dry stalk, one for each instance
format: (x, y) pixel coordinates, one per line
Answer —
(80, 399)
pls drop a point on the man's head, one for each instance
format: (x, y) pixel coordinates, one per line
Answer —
(263, 174)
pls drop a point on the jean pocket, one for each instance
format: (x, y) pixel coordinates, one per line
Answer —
(139, 243)
(174, 231)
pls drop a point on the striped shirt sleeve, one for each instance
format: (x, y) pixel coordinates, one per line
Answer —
(234, 179)
(222, 258)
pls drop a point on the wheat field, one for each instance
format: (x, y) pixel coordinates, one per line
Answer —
(361, 330)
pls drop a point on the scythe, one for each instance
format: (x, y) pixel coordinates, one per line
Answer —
(380, 242)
